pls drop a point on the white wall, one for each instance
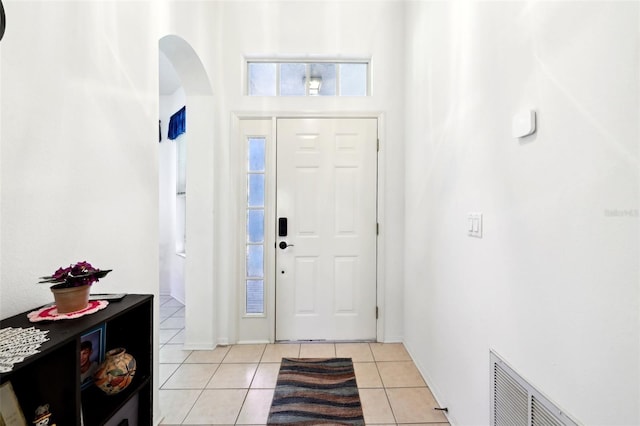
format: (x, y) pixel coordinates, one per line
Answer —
(79, 163)
(553, 284)
(227, 31)
(79, 178)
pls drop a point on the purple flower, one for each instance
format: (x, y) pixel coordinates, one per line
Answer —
(61, 273)
(82, 273)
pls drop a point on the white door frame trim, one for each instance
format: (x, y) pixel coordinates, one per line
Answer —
(270, 296)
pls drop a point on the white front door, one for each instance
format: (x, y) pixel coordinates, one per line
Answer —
(326, 256)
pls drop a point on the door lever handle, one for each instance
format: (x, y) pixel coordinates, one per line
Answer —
(283, 245)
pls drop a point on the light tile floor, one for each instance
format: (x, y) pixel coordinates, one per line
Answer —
(234, 384)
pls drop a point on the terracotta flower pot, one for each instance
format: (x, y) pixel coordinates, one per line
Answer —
(71, 299)
(116, 372)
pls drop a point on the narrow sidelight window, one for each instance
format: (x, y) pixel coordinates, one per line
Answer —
(254, 261)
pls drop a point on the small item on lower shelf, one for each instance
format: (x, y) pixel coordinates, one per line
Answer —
(113, 297)
(43, 416)
(10, 412)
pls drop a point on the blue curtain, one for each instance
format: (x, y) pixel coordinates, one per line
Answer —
(177, 123)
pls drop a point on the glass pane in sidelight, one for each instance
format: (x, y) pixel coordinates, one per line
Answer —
(256, 154)
(255, 226)
(255, 297)
(255, 265)
(255, 190)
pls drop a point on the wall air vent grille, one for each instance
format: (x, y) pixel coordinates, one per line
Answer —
(516, 402)
(510, 405)
(540, 416)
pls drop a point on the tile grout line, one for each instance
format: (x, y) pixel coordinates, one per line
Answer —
(384, 388)
(182, 422)
(192, 405)
(181, 364)
(244, 400)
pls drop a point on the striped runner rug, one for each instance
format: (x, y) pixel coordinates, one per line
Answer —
(314, 391)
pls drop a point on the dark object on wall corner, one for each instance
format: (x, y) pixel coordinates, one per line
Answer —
(3, 20)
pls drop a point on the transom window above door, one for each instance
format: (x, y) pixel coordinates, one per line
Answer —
(301, 78)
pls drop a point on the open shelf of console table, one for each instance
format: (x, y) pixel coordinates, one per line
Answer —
(52, 376)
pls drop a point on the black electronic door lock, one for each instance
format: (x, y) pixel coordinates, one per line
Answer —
(282, 227)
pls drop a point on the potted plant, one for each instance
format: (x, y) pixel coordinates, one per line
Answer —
(71, 285)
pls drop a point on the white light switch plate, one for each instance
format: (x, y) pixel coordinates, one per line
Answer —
(474, 225)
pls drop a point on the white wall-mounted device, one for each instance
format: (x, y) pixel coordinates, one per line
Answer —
(523, 124)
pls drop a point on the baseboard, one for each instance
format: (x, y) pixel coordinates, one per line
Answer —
(199, 347)
(434, 389)
(393, 339)
(181, 301)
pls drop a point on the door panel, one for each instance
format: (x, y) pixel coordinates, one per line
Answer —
(326, 188)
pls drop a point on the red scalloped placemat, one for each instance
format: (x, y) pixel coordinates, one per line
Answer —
(50, 313)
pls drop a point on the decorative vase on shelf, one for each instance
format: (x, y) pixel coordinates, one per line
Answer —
(116, 372)
(71, 299)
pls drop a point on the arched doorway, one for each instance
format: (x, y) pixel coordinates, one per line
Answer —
(190, 275)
